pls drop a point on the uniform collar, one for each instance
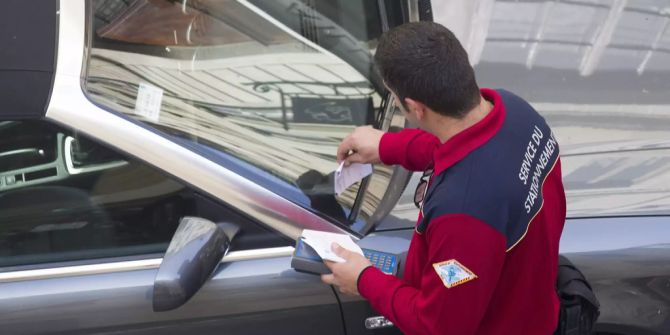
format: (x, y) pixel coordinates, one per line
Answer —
(469, 139)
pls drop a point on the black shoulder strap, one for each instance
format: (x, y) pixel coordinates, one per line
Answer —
(579, 306)
(572, 282)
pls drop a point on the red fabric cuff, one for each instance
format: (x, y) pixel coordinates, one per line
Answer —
(370, 282)
(391, 149)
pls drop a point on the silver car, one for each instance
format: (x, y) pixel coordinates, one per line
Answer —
(159, 159)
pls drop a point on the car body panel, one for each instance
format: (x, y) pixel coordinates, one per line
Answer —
(251, 292)
(627, 262)
(242, 297)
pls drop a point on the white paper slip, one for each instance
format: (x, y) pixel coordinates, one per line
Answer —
(148, 103)
(347, 176)
(322, 242)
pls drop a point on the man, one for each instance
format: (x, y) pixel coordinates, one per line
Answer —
(483, 258)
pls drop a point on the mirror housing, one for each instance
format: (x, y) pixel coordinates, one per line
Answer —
(196, 249)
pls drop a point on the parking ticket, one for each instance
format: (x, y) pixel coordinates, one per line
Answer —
(322, 242)
(346, 176)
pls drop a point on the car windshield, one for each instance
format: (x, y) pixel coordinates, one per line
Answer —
(266, 88)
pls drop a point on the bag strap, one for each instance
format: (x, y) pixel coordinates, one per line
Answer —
(579, 305)
(572, 282)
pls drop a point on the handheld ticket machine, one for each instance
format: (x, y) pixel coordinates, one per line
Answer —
(306, 259)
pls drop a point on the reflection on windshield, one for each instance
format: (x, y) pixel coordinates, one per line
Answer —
(276, 84)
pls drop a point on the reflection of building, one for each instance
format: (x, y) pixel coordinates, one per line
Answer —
(577, 52)
(618, 184)
(276, 84)
(236, 84)
(219, 22)
(215, 100)
(588, 36)
(599, 72)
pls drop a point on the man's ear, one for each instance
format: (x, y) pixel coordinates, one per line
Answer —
(416, 107)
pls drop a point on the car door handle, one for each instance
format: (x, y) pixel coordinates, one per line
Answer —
(31, 151)
(377, 322)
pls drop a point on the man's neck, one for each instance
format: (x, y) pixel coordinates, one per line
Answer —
(446, 127)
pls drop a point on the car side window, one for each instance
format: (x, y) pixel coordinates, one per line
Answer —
(65, 197)
(266, 88)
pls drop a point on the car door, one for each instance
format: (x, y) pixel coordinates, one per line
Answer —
(104, 178)
(83, 232)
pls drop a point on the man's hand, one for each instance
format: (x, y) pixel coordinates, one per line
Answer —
(345, 275)
(363, 144)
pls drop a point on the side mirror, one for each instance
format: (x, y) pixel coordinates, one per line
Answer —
(194, 253)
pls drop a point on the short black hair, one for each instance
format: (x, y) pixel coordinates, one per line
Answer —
(425, 62)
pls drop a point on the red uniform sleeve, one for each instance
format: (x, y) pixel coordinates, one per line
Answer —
(411, 148)
(436, 309)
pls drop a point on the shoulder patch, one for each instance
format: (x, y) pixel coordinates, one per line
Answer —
(453, 273)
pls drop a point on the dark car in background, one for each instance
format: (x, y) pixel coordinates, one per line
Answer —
(121, 121)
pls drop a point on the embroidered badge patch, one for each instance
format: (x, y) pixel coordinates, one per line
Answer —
(453, 273)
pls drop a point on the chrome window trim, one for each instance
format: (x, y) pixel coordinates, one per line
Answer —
(70, 106)
(125, 266)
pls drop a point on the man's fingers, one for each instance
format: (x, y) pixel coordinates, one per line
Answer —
(338, 250)
(328, 279)
(354, 158)
(344, 148)
(361, 146)
(329, 264)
